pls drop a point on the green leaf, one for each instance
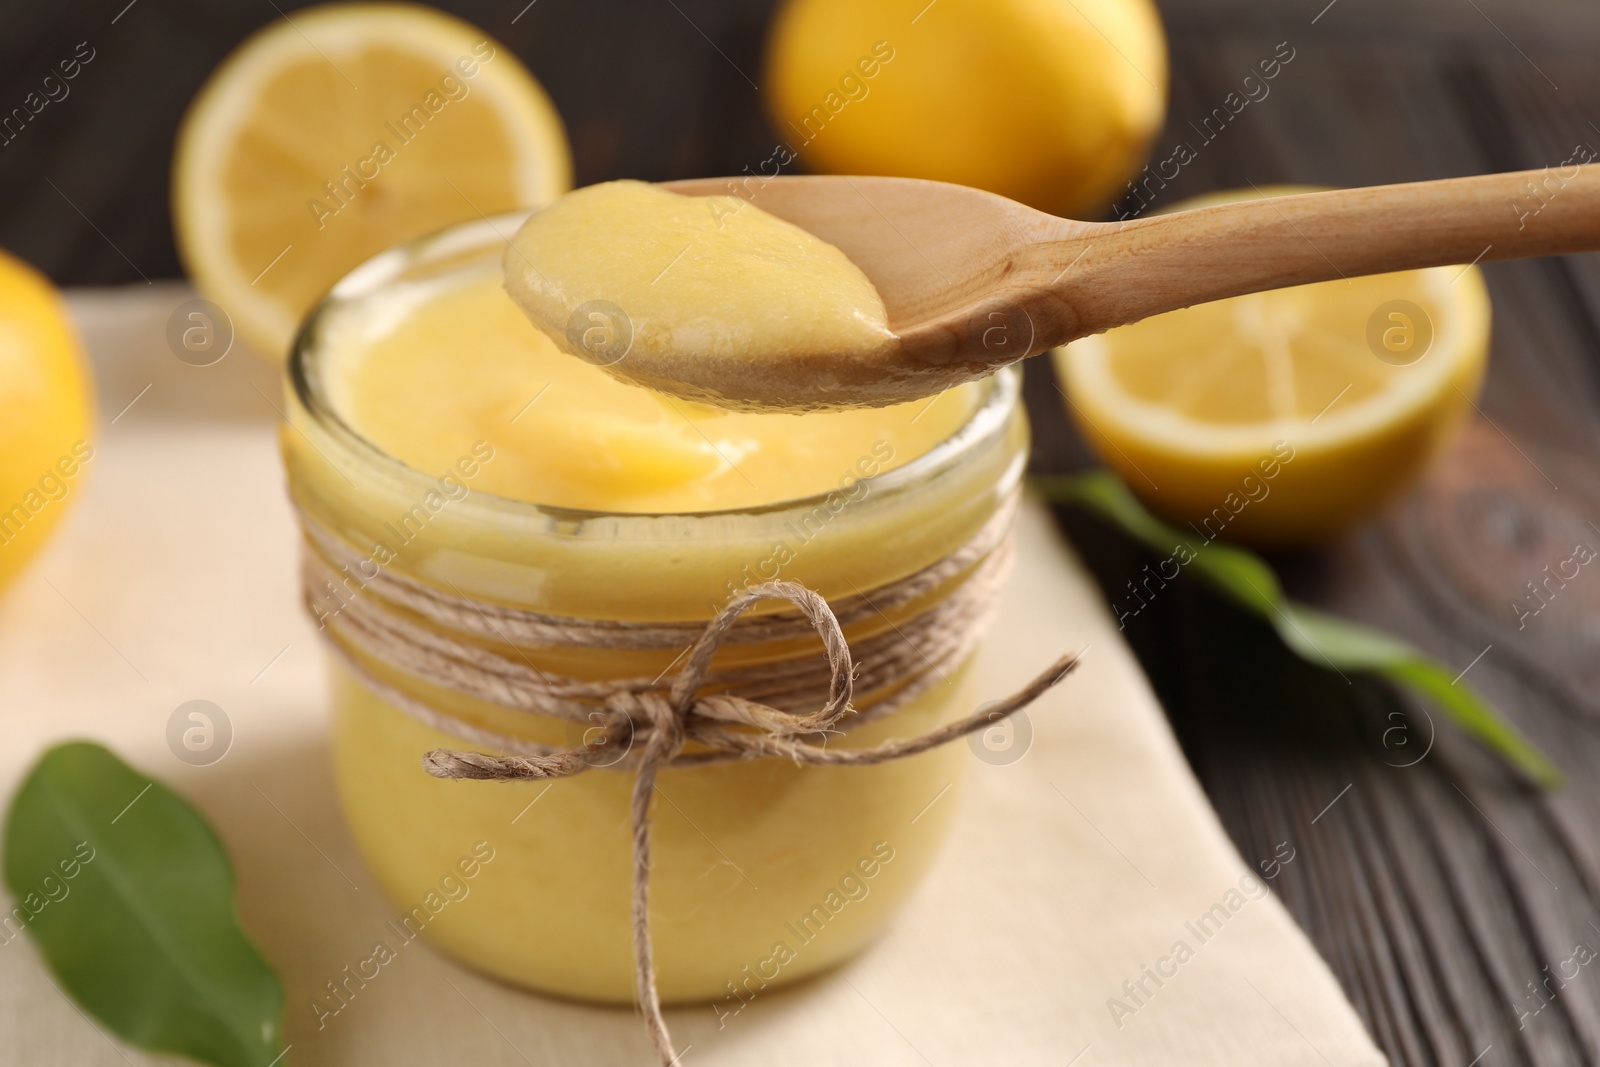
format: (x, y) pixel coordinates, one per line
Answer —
(129, 896)
(1315, 636)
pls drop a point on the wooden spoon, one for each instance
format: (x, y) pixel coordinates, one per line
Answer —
(973, 281)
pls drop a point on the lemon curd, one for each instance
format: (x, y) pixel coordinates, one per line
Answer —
(689, 294)
(461, 364)
(440, 435)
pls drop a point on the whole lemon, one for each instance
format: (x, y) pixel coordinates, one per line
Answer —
(45, 411)
(1049, 102)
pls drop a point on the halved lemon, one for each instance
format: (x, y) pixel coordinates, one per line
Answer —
(339, 131)
(1282, 417)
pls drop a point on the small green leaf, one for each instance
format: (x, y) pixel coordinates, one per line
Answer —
(1345, 643)
(1315, 636)
(129, 896)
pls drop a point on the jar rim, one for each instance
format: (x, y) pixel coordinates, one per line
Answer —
(988, 420)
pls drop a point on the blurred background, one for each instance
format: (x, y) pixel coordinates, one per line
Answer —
(1443, 886)
(660, 89)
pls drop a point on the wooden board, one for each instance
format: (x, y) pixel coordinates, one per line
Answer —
(1442, 893)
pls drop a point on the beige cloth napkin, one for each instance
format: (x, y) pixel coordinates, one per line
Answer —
(1070, 871)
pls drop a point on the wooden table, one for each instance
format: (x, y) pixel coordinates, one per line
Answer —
(1438, 888)
(1442, 892)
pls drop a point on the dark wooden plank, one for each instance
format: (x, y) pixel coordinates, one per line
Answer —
(1439, 893)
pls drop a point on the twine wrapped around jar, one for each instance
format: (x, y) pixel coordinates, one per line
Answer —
(774, 710)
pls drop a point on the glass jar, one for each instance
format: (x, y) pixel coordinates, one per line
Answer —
(763, 871)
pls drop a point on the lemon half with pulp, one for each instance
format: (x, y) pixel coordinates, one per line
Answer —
(1283, 417)
(339, 131)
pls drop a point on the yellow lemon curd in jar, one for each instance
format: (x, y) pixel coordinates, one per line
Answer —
(439, 433)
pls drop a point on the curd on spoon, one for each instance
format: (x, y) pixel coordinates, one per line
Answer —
(689, 294)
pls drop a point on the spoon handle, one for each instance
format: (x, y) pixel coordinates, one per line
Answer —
(1127, 271)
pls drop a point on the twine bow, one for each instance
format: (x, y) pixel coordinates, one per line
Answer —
(654, 726)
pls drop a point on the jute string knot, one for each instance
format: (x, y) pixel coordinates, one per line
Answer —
(644, 726)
